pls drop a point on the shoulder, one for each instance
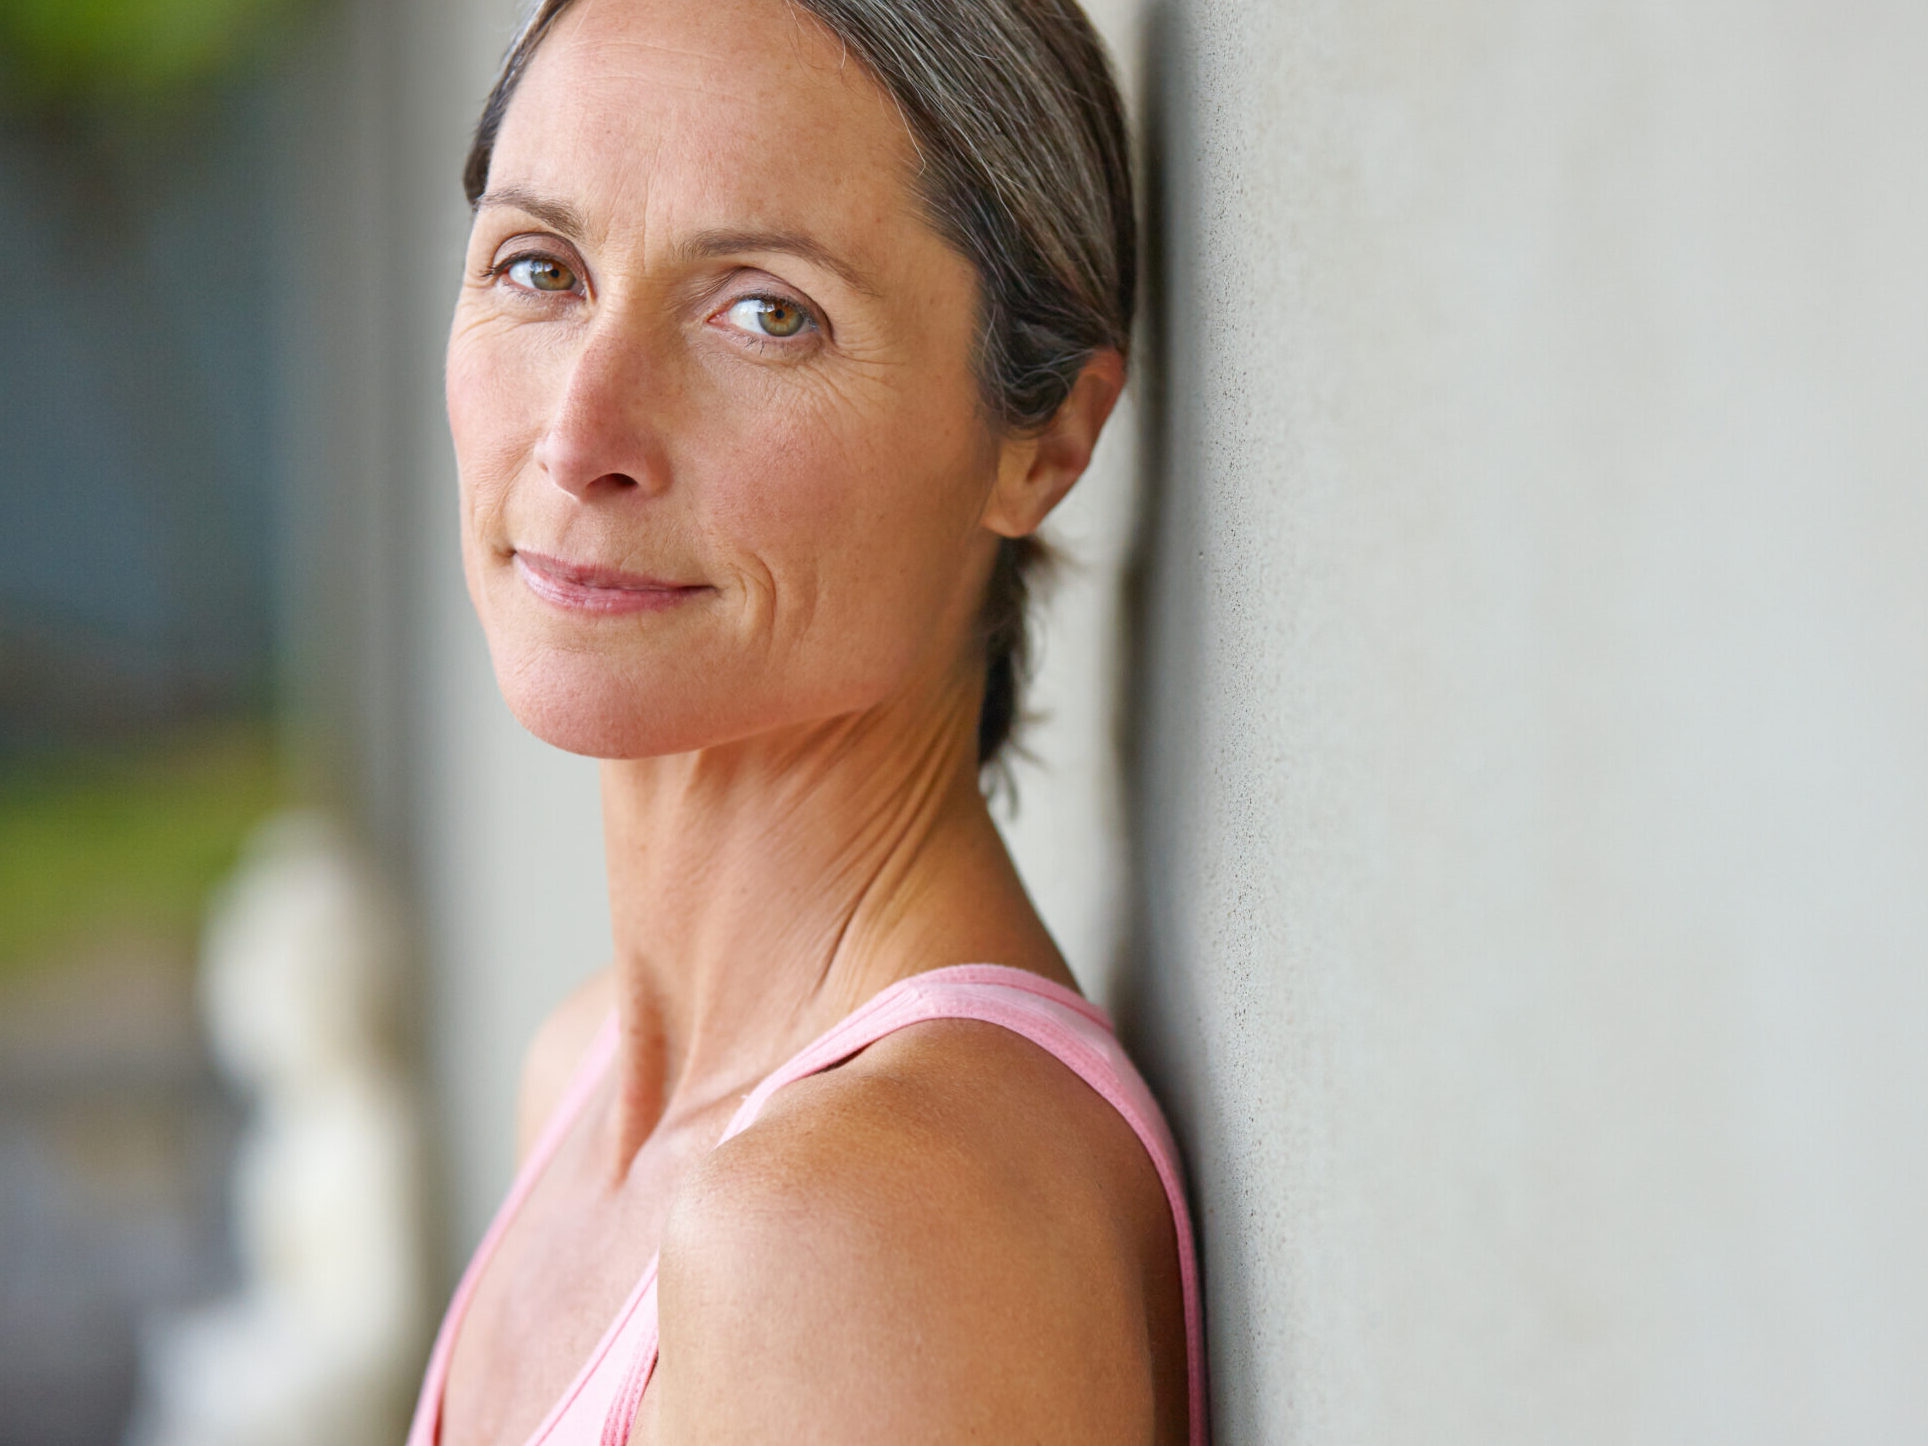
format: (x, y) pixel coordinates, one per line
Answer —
(942, 1240)
(556, 1050)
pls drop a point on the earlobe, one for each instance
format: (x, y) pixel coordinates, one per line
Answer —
(1035, 471)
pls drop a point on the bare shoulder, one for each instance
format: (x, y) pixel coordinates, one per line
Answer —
(556, 1049)
(952, 1238)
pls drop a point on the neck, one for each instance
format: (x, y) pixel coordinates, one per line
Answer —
(761, 890)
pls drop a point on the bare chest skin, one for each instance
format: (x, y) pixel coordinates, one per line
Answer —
(580, 1243)
(568, 1262)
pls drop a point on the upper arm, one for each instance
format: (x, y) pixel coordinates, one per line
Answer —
(879, 1277)
(554, 1053)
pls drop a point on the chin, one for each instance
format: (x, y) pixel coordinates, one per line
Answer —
(605, 695)
(590, 690)
(593, 732)
(580, 704)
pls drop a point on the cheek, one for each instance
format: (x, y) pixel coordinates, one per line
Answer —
(836, 513)
(493, 427)
(854, 518)
(493, 395)
(498, 391)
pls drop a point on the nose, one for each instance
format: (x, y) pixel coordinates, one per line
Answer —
(604, 436)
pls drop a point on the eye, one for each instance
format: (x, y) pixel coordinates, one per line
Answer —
(768, 316)
(540, 273)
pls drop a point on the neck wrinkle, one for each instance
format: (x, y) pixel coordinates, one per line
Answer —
(762, 890)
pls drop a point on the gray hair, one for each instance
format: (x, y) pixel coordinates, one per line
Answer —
(1026, 171)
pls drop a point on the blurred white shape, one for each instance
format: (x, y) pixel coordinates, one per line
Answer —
(302, 963)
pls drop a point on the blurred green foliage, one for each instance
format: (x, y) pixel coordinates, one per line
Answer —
(86, 54)
(102, 845)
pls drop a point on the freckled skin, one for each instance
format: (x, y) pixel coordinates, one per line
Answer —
(948, 1238)
(829, 487)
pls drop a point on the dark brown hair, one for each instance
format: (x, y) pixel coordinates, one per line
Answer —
(1026, 170)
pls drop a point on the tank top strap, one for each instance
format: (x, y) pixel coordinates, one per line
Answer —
(1058, 1020)
(933, 995)
(426, 1424)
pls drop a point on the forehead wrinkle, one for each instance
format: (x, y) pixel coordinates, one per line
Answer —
(714, 69)
(683, 102)
(639, 61)
(643, 58)
(665, 100)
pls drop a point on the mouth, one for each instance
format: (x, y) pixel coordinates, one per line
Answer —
(580, 588)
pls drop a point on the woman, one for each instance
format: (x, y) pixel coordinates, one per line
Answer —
(786, 323)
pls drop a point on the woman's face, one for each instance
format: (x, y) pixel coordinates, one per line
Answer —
(723, 463)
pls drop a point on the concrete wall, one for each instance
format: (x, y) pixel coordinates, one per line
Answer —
(1526, 694)
(1531, 780)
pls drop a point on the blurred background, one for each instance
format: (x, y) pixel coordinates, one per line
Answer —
(1483, 756)
(138, 646)
(283, 889)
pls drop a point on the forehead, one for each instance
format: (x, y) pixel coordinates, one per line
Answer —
(705, 110)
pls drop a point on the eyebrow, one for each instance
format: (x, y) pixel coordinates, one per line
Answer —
(790, 243)
(560, 215)
(566, 219)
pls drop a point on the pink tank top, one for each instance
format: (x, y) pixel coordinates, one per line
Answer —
(599, 1406)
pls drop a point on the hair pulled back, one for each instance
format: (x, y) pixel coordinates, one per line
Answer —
(1026, 171)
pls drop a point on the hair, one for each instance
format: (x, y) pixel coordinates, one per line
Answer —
(1026, 171)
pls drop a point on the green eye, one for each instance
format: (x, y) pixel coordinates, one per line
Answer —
(769, 316)
(541, 273)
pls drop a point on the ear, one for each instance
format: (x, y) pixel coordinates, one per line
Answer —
(1037, 469)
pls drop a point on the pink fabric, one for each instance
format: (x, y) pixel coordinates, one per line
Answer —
(600, 1405)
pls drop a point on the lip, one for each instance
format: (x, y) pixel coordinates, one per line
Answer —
(581, 588)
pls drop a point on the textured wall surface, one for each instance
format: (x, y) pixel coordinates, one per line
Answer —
(1531, 775)
(1529, 697)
